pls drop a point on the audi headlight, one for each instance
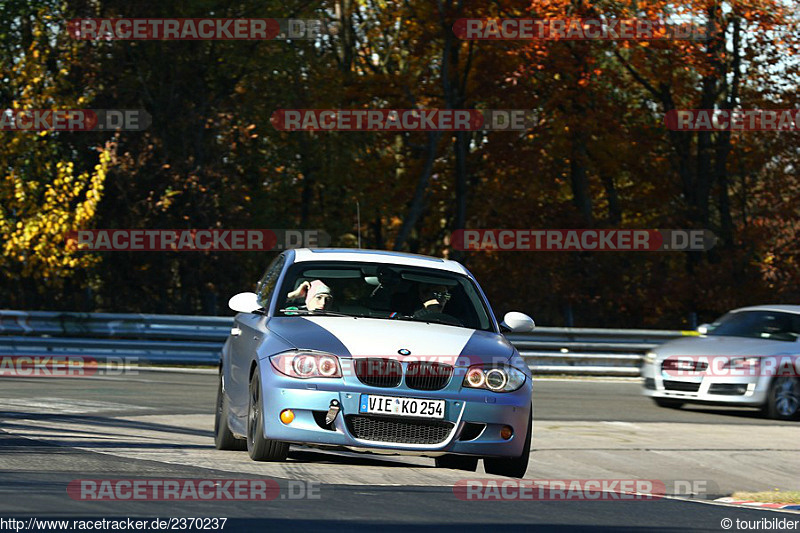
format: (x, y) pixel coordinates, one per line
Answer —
(501, 378)
(305, 365)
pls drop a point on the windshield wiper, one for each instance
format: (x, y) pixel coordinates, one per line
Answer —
(425, 320)
(320, 312)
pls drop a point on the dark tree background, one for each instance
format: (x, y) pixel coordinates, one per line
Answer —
(600, 156)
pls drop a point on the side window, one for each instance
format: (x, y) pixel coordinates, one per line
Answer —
(267, 284)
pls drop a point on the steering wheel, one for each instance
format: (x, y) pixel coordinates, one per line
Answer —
(437, 316)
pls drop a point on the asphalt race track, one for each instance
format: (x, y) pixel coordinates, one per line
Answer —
(158, 425)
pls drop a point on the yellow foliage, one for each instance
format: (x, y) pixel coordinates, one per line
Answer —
(37, 238)
(42, 196)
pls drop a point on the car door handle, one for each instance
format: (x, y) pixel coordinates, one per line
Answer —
(236, 332)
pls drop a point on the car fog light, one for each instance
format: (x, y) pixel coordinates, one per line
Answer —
(287, 416)
(506, 432)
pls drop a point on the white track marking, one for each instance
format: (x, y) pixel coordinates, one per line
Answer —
(64, 406)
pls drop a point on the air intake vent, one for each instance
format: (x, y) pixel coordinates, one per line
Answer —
(682, 386)
(428, 376)
(471, 431)
(401, 431)
(377, 372)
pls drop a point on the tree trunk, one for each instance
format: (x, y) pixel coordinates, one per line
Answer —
(578, 179)
(418, 201)
(614, 209)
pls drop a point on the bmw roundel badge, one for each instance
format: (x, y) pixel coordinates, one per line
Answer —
(404, 351)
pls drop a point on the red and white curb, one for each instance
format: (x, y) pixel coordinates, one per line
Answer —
(760, 505)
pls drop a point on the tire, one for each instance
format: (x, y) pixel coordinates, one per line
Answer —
(258, 447)
(668, 403)
(457, 462)
(223, 438)
(783, 399)
(512, 466)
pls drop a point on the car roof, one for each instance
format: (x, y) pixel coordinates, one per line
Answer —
(302, 255)
(769, 307)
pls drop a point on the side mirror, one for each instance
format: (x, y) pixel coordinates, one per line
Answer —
(517, 322)
(244, 302)
(702, 329)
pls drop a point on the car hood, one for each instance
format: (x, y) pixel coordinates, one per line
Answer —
(721, 345)
(364, 337)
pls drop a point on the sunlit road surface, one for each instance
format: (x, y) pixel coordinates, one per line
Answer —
(157, 425)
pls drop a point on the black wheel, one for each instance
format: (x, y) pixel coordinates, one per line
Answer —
(783, 400)
(258, 447)
(669, 403)
(512, 466)
(223, 438)
(457, 462)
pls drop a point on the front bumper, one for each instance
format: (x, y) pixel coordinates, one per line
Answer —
(744, 391)
(472, 422)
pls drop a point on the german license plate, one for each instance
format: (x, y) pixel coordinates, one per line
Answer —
(392, 405)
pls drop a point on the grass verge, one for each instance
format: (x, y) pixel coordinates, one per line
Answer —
(775, 496)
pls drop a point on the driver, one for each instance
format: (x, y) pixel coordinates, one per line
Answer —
(317, 295)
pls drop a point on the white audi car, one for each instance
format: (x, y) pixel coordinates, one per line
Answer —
(750, 357)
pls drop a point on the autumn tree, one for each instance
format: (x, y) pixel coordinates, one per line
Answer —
(50, 183)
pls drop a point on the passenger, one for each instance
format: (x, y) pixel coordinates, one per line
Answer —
(433, 298)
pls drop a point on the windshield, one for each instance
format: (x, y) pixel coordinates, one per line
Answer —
(770, 325)
(390, 292)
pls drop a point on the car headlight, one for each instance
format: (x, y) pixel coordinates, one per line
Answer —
(496, 378)
(650, 358)
(305, 365)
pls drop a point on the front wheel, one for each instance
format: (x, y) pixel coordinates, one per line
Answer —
(783, 400)
(512, 466)
(258, 447)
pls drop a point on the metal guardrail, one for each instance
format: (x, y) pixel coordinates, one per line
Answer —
(590, 351)
(196, 340)
(168, 327)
